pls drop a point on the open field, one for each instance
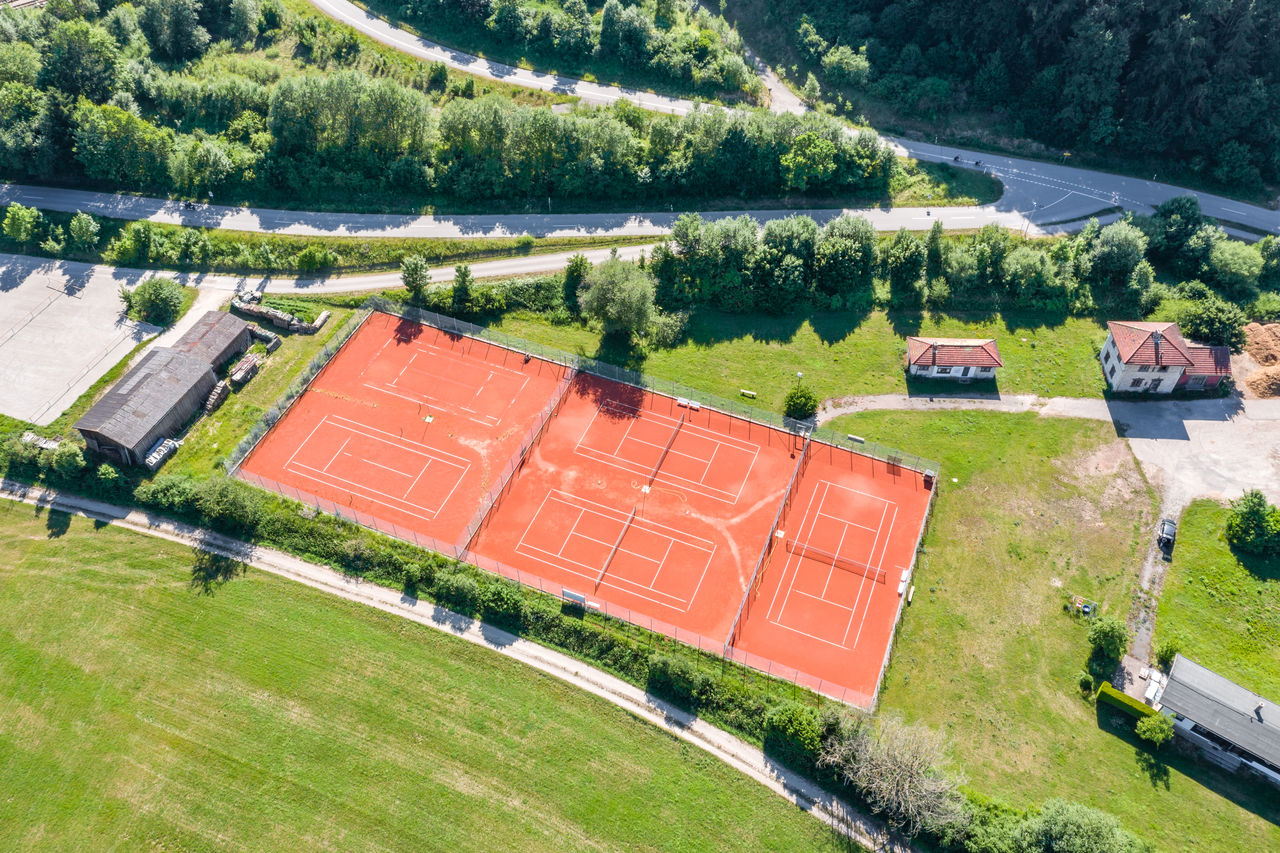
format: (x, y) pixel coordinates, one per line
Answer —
(135, 708)
(1043, 508)
(1224, 609)
(840, 353)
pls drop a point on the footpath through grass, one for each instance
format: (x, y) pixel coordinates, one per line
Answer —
(840, 353)
(1223, 608)
(265, 715)
(1044, 507)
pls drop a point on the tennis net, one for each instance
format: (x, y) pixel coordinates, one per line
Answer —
(814, 553)
(653, 475)
(616, 544)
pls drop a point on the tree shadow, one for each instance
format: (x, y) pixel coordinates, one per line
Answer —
(1152, 765)
(1262, 568)
(407, 330)
(975, 389)
(211, 571)
(57, 522)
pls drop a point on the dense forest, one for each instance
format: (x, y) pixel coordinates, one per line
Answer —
(180, 96)
(1195, 83)
(672, 44)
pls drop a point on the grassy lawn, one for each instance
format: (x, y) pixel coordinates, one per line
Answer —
(1043, 507)
(840, 354)
(214, 437)
(1225, 611)
(266, 715)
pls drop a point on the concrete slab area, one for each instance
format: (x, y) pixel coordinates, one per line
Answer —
(61, 328)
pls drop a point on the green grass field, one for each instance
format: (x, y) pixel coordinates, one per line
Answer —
(136, 711)
(840, 354)
(1225, 610)
(1043, 507)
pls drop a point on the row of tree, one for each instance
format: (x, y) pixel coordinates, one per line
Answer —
(674, 41)
(1192, 81)
(71, 107)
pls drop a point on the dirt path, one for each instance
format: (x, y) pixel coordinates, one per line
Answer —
(738, 754)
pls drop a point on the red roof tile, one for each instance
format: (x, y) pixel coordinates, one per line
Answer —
(1150, 343)
(1209, 361)
(953, 352)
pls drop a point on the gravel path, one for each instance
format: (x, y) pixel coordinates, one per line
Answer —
(738, 754)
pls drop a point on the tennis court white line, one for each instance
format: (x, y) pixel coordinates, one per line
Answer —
(867, 609)
(590, 572)
(366, 491)
(616, 460)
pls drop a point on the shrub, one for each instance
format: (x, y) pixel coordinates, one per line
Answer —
(315, 257)
(68, 459)
(1166, 650)
(155, 300)
(1063, 827)
(801, 402)
(228, 505)
(620, 296)
(792, 735)
(502, 603)
(1253, 526)
(458, 591)
(1113, 697)
(415, 275)
(1086, 683)
(678, 680)
(1156, 729)
(1109, 637)
(109, 480)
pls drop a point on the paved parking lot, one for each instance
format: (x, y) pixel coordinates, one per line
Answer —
(61, 328)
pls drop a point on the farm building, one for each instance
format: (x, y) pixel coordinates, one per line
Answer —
(962, 359)
(1154, 358)
(153, 401)
(216, 338)
(1233, 727)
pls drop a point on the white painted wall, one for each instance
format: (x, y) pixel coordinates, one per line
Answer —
(956, 373)
(1121, 377)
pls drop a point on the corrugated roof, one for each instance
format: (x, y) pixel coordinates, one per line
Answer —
(953, 352)
(1150, 343)
(1209, 361)
(1224, 708)
(211, 335)
(146, 394)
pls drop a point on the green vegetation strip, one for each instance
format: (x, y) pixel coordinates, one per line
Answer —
(1223, 608)
(266, 715)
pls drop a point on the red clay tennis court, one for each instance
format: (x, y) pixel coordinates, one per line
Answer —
(407, 427)
(650, 506)
(827, 601)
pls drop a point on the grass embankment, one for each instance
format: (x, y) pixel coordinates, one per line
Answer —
(1222, 607)
(841, 353)
(1044, 507)
(214, 437)
(269, 715)
(250, 253)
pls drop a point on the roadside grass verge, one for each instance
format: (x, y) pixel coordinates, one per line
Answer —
(840, 353)
(140, 701)
(923, 184)
(1044, 507)
(1223, 608)
(213, 437)
(251, 253)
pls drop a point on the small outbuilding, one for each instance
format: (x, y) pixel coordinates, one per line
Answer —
(1234, 728)
(153, 401)
(216, 338)
(963, 359)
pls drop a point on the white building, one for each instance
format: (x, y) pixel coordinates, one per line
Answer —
(962, 359)
(1154, 358)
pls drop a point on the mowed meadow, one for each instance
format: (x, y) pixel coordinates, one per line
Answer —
(151, 698)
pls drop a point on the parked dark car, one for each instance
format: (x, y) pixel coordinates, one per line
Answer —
(1166, 532)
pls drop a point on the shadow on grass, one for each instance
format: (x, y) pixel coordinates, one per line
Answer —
(57, 523)
(211, 571)
(1178, 757)
(1262, 568)
(974, 389)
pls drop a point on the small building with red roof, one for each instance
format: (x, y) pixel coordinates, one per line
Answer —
(1154, 358)
(962, 359)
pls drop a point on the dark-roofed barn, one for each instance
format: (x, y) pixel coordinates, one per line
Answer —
(216, 338)
(153, 401)
(1234, 727)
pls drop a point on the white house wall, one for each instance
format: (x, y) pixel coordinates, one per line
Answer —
(1126, 373)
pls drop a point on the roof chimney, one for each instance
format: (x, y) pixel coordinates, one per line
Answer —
(1155, 340)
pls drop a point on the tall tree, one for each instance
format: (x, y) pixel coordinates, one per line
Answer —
(81, 60)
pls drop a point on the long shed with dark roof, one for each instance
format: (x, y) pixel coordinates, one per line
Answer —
(216, 338)
(153, 401)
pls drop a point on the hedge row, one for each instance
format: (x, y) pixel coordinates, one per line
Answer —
(1108, 694)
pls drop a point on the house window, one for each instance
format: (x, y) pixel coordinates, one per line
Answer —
(987, 369)
(1137, 383)
(1155, 384)
(1113, 371)
(943, 371)
(1106, 356)
(1144, 368)
(1164, 368)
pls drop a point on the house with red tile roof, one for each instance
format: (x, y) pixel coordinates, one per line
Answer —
(1154, 358)
(962, 359)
